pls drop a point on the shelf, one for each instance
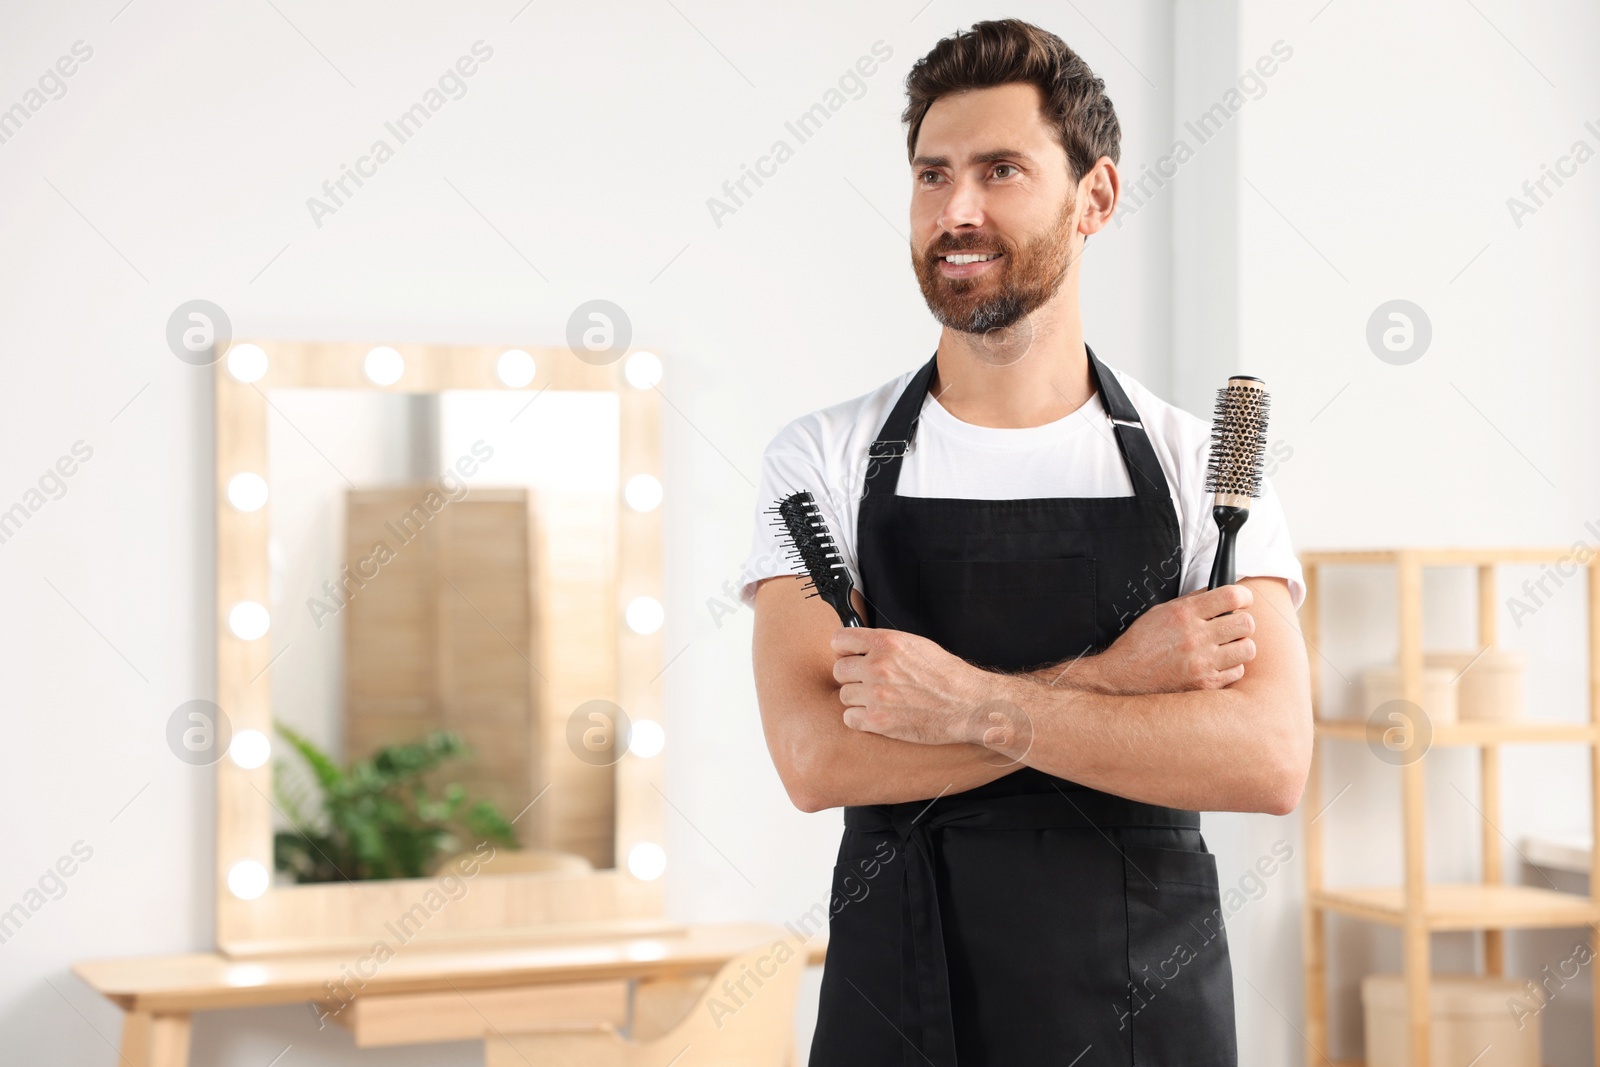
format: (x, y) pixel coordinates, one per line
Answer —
(1457, 906)
(1491, 909)
(1475, 733)
(1436, 557)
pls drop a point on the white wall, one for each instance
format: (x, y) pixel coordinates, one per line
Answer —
(578, 165)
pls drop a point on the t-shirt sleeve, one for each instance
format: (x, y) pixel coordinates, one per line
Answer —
(1263, 549)
(788, 467)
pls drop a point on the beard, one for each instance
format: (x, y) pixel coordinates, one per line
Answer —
(1028, 276)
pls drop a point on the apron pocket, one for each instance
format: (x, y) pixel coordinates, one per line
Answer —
(1009, 614)
(1180, 996)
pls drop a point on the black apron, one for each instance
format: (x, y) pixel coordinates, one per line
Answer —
(1031, 920)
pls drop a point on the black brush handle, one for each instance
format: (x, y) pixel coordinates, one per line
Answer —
(1229, 522)
(847, 613)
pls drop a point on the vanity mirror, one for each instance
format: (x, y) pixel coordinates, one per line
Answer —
(438, 615)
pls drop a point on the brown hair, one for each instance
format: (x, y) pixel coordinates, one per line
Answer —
(1009, 50)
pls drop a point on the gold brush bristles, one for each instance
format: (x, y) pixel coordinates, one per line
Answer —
(1238, 442)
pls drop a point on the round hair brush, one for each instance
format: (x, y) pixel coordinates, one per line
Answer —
(1233, 472)
(806, 534)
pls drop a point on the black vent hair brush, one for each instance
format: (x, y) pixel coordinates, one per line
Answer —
(808, 540)
(1233, 472)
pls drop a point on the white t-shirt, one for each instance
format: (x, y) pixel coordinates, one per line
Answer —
(825, 452)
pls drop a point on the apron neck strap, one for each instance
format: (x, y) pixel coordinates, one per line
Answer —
(897, 433)
(1144, 469)
(900, 430)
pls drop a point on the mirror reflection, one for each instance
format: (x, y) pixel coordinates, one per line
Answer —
(442, 585)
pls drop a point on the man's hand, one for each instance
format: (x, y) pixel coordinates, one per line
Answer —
(1178, 646)
(905, 686)
(822, 762)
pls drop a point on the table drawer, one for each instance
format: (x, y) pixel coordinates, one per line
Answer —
(415, 1018)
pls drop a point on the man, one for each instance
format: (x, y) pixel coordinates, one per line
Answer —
(1044, 695)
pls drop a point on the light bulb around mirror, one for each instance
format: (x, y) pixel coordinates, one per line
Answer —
(515, 368)
(642, 370)
(644, 739)
(249, 749)
(247, 363)
(645, 615)
(646, 861)
(248, 620)
(642, 492)
(247, 879)
(247, 492)
(383, 366)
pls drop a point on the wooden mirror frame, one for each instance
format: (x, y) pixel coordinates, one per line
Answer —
(354, 914)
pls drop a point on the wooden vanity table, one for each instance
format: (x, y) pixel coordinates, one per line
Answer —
(642, 985)
(461, 538)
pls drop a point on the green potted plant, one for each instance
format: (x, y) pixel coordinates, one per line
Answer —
(375, 817)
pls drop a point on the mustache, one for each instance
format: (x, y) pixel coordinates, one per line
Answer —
(974, 244)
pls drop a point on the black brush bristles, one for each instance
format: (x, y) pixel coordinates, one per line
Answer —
(1234, 467)
(806, 535)
(1238, 439)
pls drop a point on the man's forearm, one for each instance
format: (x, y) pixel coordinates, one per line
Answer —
(1208, 750)
(855, 768)
(1093, 674)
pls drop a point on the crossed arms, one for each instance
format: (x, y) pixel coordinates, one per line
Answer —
(1192, 707)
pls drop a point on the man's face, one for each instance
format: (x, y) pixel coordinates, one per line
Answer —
(990, 177)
